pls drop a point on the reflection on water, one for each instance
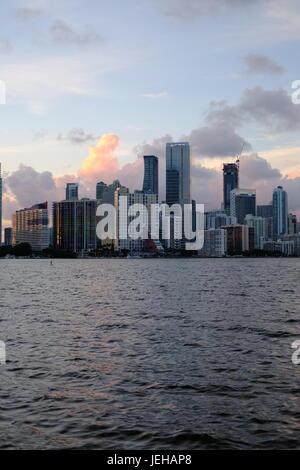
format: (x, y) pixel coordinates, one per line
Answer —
(149, 354)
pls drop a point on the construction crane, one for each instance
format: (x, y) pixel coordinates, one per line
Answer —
(238, 156)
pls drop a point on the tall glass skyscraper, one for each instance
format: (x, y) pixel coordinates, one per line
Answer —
(150, 174)
(230, 182)
(242, 203)
(178, 180)
(280, 212)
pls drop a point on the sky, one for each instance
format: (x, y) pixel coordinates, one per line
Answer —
(92, 86)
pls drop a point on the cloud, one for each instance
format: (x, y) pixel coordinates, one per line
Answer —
(27, 13)
(76, 136)
(61, 32)
(261, 64)
(273, 109)
(216, 140)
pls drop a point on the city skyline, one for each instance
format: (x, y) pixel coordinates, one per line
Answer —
(237, 88)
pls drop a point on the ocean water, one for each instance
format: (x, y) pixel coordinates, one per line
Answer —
(150, 354)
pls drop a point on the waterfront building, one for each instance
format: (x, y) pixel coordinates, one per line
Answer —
(239, 238)
(30, 225)
(8, 236)
(215, 242)
(292, 223)
(260, 225)
(74, 225)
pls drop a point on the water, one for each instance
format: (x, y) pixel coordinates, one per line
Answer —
(149, 354)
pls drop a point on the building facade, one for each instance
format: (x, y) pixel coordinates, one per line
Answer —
(230, 182)
(30, 225)
(240, 238)
(74, 225)
(150, 184)
(242, 202)
(71, 191)
(260, 225)
(215, 243)
(8, 236)
(178, 182)
(280, 212)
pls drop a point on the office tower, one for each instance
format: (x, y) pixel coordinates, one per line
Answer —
(242, 202)
(178, 184)
(30, 225)
(264, 211)
(74, 225)
(215, 242)
(1, 190)
(122, 219)
(239, 238)
(260, 225)
(295, 238)
(215, 219)
(150, 174)
(292, 223)
(230, 182)
(280, 212)
(8, 234)
(100, 188)
(71, 191)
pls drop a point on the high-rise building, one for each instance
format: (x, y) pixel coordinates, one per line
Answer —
(239, 238)
(280, 212)
(150, 184)
(100, 188)
(1, 190)
(71, 191)
(178, 183)
(30, 225)
(8, 236)
(230, 182)
(215, 242)
(260, 225)
(74, 225)
(146, 199)
(109, 192)
(242, 202)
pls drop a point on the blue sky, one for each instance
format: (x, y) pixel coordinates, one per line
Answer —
(143, 69)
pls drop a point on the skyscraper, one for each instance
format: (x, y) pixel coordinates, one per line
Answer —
(30, 225)
(8, 233)
(150, 174)
(1, 189)
(72, 191)
(242, 202)
(230, 182)
(280, 211)
(178, 184)
(100, 188)
(74, 225)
